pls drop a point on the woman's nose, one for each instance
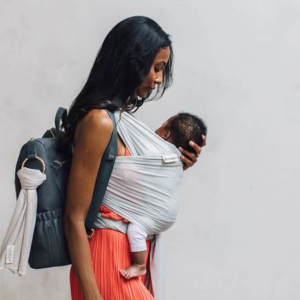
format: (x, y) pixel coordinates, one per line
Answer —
(158, 78)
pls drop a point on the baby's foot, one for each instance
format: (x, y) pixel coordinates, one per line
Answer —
(134, 270)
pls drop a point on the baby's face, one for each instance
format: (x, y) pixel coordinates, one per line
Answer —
(163, 131)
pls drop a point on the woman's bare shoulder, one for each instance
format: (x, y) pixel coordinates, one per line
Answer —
(97, 119)
(96, 124)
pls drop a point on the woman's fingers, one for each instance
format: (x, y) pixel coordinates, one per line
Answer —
(189, 155)
(186, 162)
(189, 158)
(196, 147)
(203, 141)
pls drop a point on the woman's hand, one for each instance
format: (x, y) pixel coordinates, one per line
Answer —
(189, 158)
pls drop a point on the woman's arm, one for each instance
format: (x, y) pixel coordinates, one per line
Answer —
(189, 158)
(91, 139)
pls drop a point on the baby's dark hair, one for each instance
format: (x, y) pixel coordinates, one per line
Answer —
(185, 127)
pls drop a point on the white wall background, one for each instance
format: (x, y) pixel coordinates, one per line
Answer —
(237, 65)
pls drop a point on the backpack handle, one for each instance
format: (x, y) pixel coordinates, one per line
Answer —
(60, 117)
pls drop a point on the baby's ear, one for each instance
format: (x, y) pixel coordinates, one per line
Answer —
(167, 135)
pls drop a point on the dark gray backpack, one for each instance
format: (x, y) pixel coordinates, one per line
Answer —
(49, 247)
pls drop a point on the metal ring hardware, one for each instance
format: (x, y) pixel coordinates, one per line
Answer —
(39, 159)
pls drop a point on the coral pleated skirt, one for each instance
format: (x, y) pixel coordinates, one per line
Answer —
(110, 252)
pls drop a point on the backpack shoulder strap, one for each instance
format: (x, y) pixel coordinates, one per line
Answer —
(106, 166)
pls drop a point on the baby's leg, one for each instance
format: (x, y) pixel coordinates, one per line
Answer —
(137, 240)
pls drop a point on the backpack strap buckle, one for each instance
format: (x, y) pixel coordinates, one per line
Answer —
(90, 233)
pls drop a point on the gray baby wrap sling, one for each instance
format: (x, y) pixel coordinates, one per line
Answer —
(145, 188)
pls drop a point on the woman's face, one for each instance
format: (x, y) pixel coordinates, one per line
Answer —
(155, 75)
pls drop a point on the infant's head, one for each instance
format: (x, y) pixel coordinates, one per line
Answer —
(181, 129)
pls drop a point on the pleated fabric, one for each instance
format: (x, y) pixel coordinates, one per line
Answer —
(110, 252)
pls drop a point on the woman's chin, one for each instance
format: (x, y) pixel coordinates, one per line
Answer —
(143, 95)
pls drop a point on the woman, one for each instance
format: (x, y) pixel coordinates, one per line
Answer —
(134, 62)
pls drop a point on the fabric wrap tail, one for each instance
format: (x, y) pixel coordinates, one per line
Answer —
(15, 249)
(145, 188)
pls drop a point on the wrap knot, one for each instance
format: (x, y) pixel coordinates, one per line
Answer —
(31, 179)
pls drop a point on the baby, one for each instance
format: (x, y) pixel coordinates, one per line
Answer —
(178, 130)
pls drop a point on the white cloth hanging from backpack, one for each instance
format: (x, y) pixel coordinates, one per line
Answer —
(15, 249)
(145, 188)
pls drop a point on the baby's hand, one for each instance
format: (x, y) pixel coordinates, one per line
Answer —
(189, 158)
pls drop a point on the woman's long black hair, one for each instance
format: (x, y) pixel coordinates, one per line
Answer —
(121, 65)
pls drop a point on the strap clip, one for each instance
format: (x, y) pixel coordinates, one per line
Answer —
(91, 233)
